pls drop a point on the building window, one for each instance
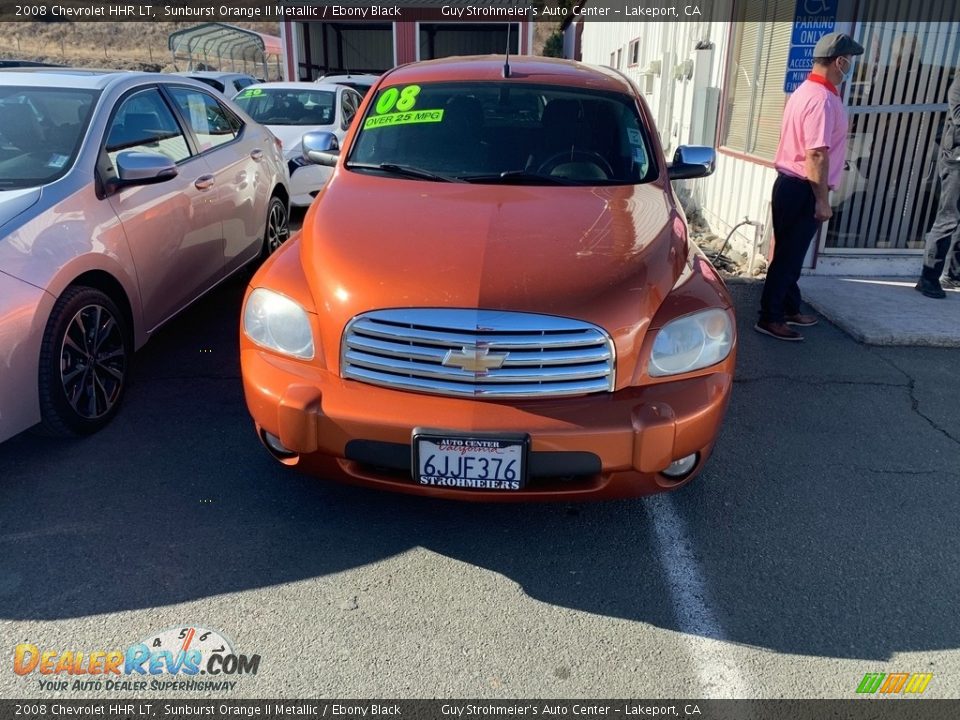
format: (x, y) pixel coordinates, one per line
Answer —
(619, 58)
(634, 56)
(613, 60)
(439, 40)
(757, 72)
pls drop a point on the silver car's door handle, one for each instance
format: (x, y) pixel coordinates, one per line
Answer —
(257, 154)
(204, 182)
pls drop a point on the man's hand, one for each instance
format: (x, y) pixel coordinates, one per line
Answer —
(823, 212)
(818, 170)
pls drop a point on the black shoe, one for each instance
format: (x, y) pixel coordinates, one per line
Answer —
(950, 283)
(930, 288)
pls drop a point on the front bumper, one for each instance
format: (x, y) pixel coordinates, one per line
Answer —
(24, 310)
(601, 446)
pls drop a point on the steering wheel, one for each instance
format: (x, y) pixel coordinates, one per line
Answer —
(570, 156)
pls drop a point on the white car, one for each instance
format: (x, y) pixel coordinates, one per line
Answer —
(225, 83)
(361, 82)
(290, 109)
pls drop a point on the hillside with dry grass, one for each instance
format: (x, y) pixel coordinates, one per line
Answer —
(120, 45)
(124, 45)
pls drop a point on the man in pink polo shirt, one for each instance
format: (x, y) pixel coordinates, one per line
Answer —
(809, 162)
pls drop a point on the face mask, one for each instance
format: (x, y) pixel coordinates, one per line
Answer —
(846, 73)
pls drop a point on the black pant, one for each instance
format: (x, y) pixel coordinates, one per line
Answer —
(943, 240)
(794, 226)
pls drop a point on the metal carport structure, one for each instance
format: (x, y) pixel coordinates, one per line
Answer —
(227, 48)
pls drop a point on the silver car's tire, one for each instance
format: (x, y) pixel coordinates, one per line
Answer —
(85, 363)
(277, 230)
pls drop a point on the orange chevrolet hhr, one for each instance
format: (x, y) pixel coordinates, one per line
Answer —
(494, 297)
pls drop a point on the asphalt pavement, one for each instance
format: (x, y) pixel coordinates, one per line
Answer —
(819, 544)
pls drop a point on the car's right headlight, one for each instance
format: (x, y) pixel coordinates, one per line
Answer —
(278, 323)
(691, 342)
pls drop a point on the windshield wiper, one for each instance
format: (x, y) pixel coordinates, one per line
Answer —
(520, 177)
(405, 170)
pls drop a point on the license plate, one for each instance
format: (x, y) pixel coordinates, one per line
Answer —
(470, 462)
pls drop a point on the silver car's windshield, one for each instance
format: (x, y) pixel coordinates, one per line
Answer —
(288, 107)
(41, 130)
(505, 132)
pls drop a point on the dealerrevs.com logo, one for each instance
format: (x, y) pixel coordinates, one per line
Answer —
(180, 658)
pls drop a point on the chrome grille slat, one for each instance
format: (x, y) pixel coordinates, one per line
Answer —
(513, 374)
(470, 390)
(588, 354)
(539, 355)
(493, 340)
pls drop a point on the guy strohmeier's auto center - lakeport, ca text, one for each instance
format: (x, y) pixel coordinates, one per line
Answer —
(245, 10)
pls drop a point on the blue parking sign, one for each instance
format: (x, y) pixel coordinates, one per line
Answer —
(812, 19)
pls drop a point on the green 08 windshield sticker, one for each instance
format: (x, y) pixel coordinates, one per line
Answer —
(401, 100)
(252, 92)
(396, 107)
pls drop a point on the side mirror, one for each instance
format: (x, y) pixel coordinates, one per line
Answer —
(692, 161)
(321, 148)
(143, 168)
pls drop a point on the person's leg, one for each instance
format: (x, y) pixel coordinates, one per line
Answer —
(952, 265)
(942, 237)
(807, 225)
(793, 228)
(952, 260)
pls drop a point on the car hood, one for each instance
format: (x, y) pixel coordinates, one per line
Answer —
(14, 202)
(607, 255)
(290, 135)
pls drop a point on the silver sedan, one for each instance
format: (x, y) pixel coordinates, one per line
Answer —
(124, 197)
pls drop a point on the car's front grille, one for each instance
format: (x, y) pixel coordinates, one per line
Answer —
(477, 353)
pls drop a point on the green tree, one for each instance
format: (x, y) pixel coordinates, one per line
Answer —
(554, 45)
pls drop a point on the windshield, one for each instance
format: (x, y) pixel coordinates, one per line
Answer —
(505, 131)
(40, 133)
(288, 107)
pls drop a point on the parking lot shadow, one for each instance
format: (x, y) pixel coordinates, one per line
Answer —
(818, 528)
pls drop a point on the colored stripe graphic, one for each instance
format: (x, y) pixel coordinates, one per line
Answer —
(871, 682)
(894, 683)
(914, 683)
(918, 682)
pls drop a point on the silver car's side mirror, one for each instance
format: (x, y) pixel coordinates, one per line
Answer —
(692, 161)
(321, 148)
(143, 168)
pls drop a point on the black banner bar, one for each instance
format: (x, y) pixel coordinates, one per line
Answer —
(146, 709)
(469, 11)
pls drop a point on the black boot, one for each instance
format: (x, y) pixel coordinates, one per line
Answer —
(930, 288)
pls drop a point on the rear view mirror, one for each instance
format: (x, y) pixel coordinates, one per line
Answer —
(142, 168)
(321, 148)
(692, 161)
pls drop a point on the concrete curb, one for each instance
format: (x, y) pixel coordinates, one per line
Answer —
(885, 311)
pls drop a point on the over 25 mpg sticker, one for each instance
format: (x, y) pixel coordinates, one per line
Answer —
(190, 658)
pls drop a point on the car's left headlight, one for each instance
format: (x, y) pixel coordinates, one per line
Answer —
(691, 342)
(278, 323)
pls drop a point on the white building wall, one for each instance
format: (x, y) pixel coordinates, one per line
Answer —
(739, 188)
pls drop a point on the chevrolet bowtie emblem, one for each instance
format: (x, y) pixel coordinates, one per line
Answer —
(474, 359)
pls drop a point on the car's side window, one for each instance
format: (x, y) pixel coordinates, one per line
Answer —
(349, 108)
(241, 83)
(211, 123)
(145, 123)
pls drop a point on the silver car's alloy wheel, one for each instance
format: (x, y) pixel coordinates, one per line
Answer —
(86, 360)
(278, 229)
(93, 362)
